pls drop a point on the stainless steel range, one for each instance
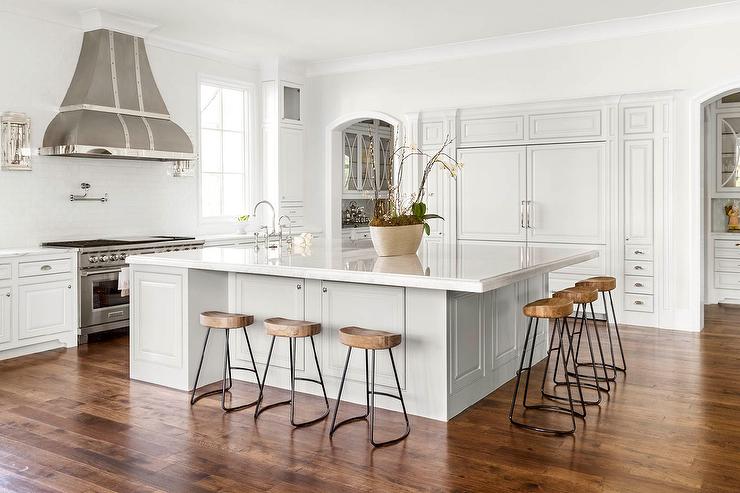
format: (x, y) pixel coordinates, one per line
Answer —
(101, 304)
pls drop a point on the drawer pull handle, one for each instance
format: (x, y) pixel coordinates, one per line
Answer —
(639, 267)
(46, 267)
(639, 252)
(638, 302)
(639, 285)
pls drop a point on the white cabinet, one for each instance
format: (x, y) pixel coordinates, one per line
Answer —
(266, 297)
(567, 193)
(491, 193)
(363, 305)
(638, 200)
(45, 308)
(6, 321)
(291, 164)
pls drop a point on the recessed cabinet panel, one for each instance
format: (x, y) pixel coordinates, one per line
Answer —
(363, 305)
(491, 194)
(432, 133)
(291, 164)
(266, 297)
(6, 299)
(159, 318)
(638, 120)
(638, 182)
(6, 271)
(567, 196)
(467, 339)
(44, 308)
(482, 131)
(567, 125)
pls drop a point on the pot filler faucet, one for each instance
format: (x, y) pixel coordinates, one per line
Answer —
(268, 234)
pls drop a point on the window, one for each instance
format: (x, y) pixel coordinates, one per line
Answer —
(224, 125)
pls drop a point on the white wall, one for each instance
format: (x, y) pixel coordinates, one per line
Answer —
(39, 58)
(692, 60)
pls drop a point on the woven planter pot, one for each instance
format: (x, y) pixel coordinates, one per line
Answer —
(390, 241)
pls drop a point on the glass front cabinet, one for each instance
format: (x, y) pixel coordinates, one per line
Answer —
(728, 153)
(361, 142)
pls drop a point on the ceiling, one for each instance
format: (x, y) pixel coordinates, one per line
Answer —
(314, 30)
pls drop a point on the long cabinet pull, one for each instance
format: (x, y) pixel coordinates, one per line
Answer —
(530, 214)
(522, 213)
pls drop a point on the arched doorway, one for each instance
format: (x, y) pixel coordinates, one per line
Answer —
(335, 163)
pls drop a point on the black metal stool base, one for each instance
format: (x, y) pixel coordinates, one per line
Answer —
(227, 376)
(370, 393)
(563, 330)
(298, 424)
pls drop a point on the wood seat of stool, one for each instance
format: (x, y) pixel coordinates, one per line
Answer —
(358, 337)
(600, 283)
(578, 294)
(549, 308)
(224, 320)
(285, 327)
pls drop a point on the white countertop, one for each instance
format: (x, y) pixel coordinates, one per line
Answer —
(21, 252)
(470, 267)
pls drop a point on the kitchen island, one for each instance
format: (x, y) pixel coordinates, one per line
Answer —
(458, 307)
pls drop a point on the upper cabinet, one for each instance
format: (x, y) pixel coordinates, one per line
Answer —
(728, 152)
(290, 107)
(565, 125)
(366, 157)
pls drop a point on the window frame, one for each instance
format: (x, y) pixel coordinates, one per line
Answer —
(249, 144)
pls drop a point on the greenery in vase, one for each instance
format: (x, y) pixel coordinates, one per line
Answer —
(405, 209)
(243, 218)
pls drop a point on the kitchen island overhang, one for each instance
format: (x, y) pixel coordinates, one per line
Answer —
(457, 306)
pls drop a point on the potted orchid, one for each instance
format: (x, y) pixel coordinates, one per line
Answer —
(399, 222)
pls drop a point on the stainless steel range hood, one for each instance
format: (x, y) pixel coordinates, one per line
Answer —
(113, 108)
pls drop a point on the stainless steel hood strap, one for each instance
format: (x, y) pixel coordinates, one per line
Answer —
(138, 80)
(108, 109)
(125, 132)
(149, 131)
(113, 71)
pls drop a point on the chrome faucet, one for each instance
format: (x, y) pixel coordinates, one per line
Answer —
(288, 240)
(268, 234)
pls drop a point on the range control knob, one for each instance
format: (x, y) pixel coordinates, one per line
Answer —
(113, 257)
(104, 258)
(93, 260)
(122, 256)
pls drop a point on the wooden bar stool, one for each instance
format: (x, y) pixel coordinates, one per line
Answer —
(582, 296)
(370, 340)
(226, 321)
(605, 284)
(558, 309)
(293, 330)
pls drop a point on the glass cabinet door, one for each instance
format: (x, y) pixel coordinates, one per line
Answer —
(350, 155)
(728, 175)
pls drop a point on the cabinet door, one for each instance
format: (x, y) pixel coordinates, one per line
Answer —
(638, 191)
(435, 200)
(567, 193)
(5, 314)
(362, 305)
(291, 164)
(491, 191)
(44, 308)
(266, 297)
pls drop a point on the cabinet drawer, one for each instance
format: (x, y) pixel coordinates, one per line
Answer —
(726, 265)
(637, 252)
(731, 244)
(28, 269)
(288, 210)
(487, 130)
(638, 302)
(565, 125)
(638, 268)
(727, 253)
(638, 284)
(6, 271)
(727, 280)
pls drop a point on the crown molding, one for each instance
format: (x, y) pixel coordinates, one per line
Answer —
(569, 35)
(92, 19)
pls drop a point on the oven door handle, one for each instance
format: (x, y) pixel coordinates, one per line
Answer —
(92, 273)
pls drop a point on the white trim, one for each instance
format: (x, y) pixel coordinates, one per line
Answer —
(568, 35)
(249, 142)
(92, 19)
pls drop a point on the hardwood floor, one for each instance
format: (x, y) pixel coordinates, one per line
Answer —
(72, 421)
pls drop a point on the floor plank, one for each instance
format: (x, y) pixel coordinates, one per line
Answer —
(71, 420)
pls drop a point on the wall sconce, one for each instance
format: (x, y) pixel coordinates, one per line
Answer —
(15, 133)
(182, 168)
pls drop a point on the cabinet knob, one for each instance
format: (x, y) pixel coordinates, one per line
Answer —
(298, 286)
(69, 286)
(324, 290)
(7, 294)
